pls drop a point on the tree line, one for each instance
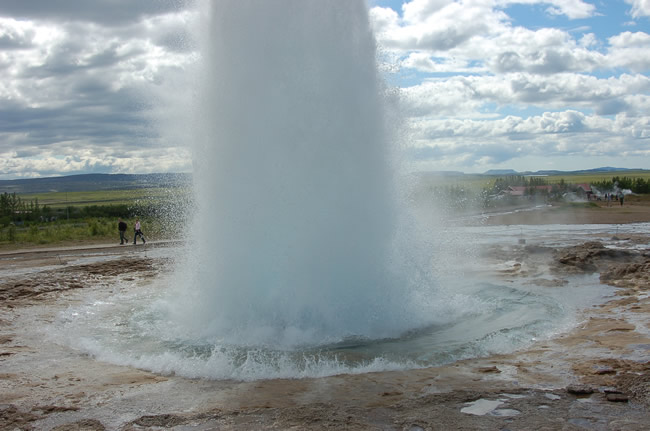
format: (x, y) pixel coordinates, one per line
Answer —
(635, 185)
(15, 209)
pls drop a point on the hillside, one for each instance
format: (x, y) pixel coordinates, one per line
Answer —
(93, 182)
(99, 182)
(602, 170)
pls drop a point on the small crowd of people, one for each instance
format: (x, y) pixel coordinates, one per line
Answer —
(137, 229)
(614, 196)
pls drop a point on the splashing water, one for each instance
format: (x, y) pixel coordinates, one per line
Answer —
(296, 228)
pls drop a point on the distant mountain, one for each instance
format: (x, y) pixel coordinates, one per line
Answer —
(547, 173)
(91, 182)
(501, 172)
(556, 172)
(610, 169)
(442, 173)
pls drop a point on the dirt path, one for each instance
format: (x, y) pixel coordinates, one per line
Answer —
(636, 209)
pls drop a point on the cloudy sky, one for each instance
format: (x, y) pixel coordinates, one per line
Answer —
(484, 84)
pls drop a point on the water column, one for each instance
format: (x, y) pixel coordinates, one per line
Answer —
(296, 217)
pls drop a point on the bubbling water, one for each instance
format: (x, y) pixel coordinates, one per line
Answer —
(297, 238)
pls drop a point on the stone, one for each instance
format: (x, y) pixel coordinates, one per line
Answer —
(492, 369)
(617, 398)
(580, 389)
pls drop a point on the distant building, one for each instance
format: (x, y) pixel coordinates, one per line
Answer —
(524, 191)
(584, 190)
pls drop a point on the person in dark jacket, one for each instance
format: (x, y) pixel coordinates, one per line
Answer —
(121, 227)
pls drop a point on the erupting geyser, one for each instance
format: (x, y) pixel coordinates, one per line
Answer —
(296, 237)
(303, 258)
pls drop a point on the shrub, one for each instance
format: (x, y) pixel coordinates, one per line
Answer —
(33, 233)
(11, 233)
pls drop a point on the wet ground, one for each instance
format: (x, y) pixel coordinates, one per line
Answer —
(595, 377)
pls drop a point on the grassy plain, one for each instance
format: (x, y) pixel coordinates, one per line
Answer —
(91, 230)
(102, 197)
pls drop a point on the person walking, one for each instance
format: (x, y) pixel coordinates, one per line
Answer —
(121, 227)
(138, 232)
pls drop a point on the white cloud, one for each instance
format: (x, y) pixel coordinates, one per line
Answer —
(472, 143)
(109, 13)
(590, 95)
(630, 50)
(544, 51)
(80, 87)
(442, 25)
(466, 96)
(434, 26)
(573, 9)
(479, 34)
(640, 8)
(100, 85)
(425, 63)
(81, 157)
(448, 124)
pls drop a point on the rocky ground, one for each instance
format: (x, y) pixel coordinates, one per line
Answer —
(596, 377)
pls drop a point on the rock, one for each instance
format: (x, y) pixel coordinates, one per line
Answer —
(492, 369)
(553, 397)
(164, 421)
(605, 371)
(617, 398)
(580, 389)
(12, 418)
(626, 270)
(587, 258)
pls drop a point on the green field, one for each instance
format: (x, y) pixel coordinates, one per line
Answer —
(80, 231)
(104, 197)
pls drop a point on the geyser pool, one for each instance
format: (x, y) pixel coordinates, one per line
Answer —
(128, 323)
